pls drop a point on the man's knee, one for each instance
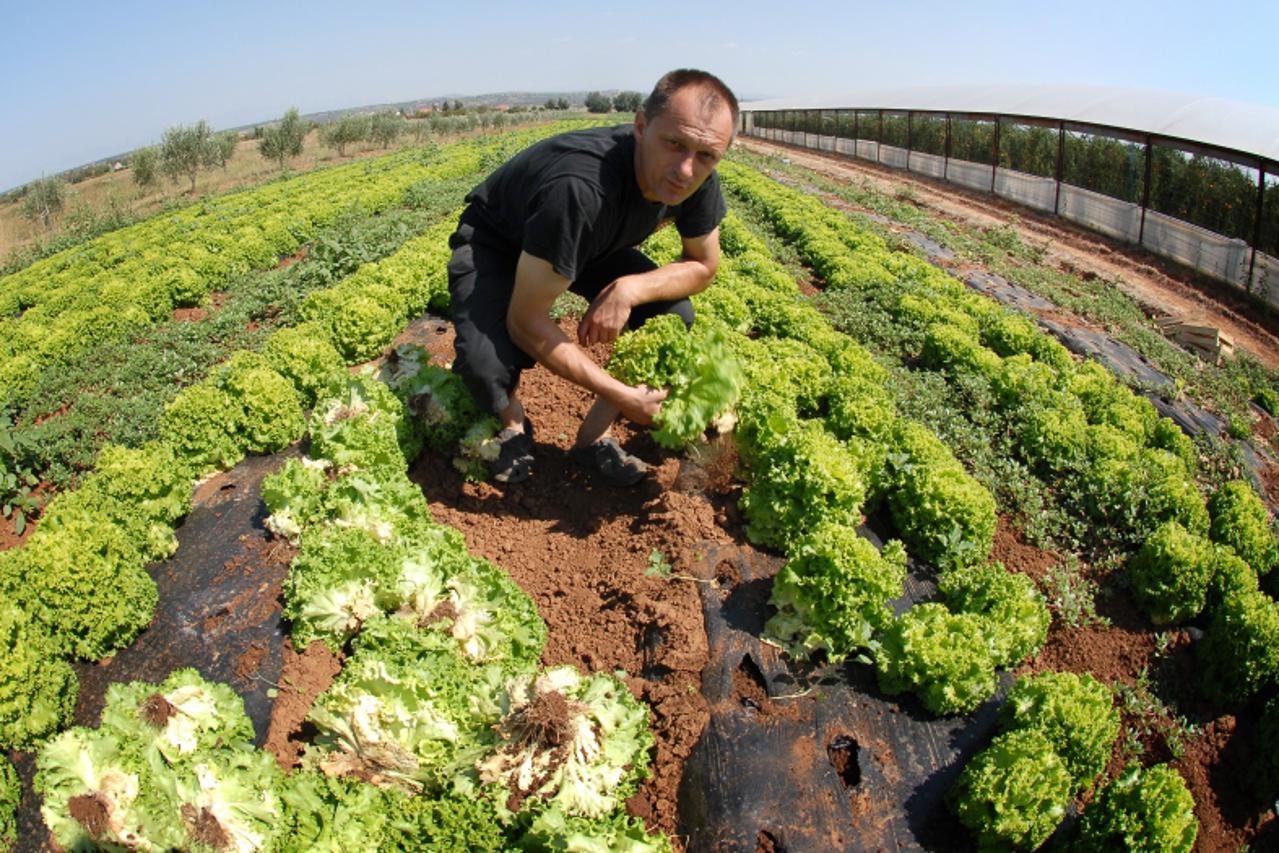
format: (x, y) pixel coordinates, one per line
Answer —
(682, 308)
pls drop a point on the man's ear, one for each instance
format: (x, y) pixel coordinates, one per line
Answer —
(639, 123)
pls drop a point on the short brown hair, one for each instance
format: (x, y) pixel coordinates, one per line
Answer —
(717, 93)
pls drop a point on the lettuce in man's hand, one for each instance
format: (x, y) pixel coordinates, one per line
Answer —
(697, 366)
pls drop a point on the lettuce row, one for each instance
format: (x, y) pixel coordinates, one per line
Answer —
(1058, 404)
(822, 444)
(117, 284)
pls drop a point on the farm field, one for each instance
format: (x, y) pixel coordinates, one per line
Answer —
(1030, 514)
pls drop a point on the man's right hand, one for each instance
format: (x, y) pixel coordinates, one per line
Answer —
(642, 404)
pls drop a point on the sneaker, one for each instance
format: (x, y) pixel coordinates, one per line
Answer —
(514, 462)
(612, 462)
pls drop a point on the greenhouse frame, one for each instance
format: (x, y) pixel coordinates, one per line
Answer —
(1195, 180)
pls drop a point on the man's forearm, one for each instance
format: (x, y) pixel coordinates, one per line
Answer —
(668, 282)
(546, 343)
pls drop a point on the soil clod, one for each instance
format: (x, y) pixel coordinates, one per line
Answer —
(90, 811)
(156, 711)
(204, 827)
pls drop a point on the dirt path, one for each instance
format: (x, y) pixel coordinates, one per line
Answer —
(1153, 283)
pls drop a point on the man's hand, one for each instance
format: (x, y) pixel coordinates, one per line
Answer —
(643, 404)
(608, 314)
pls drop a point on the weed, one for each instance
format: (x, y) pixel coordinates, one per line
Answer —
(1072, 596)
(568, 304)
(658, 565)
(1149, 719)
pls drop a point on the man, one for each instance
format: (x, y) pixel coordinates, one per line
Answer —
(565, 214)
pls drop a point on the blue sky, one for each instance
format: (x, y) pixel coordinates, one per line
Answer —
(86, 80)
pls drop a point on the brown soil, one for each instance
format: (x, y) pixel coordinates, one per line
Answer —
(581, 549)
(200, 312)
(1160, 286)
(1018, 556)
(303, 676)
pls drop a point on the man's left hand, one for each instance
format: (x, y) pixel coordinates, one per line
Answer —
(607, 316)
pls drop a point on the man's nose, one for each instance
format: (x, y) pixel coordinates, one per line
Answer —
(686, 165)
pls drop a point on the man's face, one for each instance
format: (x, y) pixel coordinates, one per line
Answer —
(676, 152)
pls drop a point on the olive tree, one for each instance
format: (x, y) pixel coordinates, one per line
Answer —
(145, 165)
(627, 102)
(285, 139)
(344, 131)
(184, 149)
(43, 198)
(222, 147)
(385, 128)
(597, 102)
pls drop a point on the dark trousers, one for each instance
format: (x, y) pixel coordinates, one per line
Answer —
(481, 280)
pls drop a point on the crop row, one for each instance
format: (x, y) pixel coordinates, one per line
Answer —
(1074, 423)
(823, 446)
(78, 588)
(116, 284)
(427, 735)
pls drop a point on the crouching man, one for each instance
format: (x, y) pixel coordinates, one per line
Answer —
(567, 214)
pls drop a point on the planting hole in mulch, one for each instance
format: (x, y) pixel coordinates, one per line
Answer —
(842, 752)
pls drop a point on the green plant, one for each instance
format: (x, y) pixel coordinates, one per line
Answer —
(10, 795)
(833, 593)
(1075, 712)
(1147, 716)
(658, 566)
(1072, 595)
(1014, 793)
(1148, 810)
(1171, 573)
(17, 502)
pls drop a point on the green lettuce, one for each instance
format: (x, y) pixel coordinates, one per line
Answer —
(409, 710)
(1075, 712)
(944, 657)
(1014, 793)
(10, 796)
(701, 373)
(834, 593)
(1143, 810)
(37, 688)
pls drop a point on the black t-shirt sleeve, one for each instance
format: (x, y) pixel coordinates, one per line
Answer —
(703, 211)
(562, 225)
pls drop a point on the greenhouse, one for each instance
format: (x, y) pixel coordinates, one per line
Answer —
(1191, 179)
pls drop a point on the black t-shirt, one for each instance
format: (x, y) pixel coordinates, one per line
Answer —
(573, 199)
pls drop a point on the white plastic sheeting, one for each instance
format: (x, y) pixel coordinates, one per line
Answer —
(928, 164)
(1030, 190)
(1110, 216)
(1223, 258)
(974, 175)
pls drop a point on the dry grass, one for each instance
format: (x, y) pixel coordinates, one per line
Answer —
(117, 189)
